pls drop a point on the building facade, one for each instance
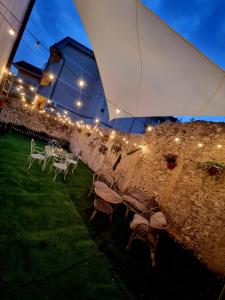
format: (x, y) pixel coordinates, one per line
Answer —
(14, 15)
(71, 81)
(27, 80)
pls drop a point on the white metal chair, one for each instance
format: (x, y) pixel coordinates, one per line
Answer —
(61, 166)
(36, 153)
(50, 153)
(72, 159)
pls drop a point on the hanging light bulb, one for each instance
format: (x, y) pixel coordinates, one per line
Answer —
(81, 83)
(12, 31)
(149, 128)
(79, 103)
(97, 121)
(51, 76)
(118, 111)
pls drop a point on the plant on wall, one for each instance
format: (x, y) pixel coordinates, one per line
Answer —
(171, 160)
(116, 148)
(213, 168)
(88, 134)
(103, 149)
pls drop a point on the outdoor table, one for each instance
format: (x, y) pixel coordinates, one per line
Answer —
(107, 198)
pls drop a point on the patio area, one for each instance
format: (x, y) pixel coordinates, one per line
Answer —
(50, 250)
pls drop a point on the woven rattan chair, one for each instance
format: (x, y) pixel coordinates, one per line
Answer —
(145, 232)
(104, 207)
(105, 178)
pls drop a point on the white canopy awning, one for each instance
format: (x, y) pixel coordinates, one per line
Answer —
(146, 68)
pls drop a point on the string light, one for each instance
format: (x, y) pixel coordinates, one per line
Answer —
(127, 142)
(81, 83)
(31, 88)
(149, 128)
(79, 103)
(51, 76)
(65, 112)
(49, 101)
(20, 80)
(177, 139)
(118, 111)
(97, 121)
(12, 31)
(200, 145)
(219, 146)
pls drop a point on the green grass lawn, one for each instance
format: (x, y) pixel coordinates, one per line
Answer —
(50, 250)
(45, 249)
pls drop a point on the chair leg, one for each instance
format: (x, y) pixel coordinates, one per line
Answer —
(110, 219)
(126, 212)
(56, 174)
(130, 241)
(65, 174)
(93, 215)
(31, 163)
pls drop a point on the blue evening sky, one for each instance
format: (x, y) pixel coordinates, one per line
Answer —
(201, 22)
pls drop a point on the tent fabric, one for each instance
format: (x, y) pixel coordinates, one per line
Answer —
(146, 68)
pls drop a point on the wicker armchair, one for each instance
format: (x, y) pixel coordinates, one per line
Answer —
(104, 178)
(139, 202)
(148, 231)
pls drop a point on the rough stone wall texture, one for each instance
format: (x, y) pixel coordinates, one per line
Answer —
(193, 201)
(14, 112)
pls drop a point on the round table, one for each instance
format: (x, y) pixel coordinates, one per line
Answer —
(107, 194)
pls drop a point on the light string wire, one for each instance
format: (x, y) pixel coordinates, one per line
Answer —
(45, 48)
(140, 56)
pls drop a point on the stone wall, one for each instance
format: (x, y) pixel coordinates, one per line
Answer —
(18, 114)
(193, 201)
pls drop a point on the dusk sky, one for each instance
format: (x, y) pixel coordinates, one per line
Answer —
(200, 22)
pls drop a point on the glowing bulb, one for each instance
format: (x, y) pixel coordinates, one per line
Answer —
(149, 128)
(127, 142)
(124, 139)
(113, 132)
(219, 146)
(200, 145)
(177, 139)
(49, 101)
(31, 88)
(96, 120)
(65, 112)
(79, 104)
(51, 76)
(20, 80)
(112, 136)
(12, 31)
(118, 111)
(81, 83)
(135, 144)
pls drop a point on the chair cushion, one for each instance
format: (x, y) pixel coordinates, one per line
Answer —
(137, 219)
(134, 203)
(37, 156)
(60, 166)
(100, 184)
(158, 220)
(142, 197)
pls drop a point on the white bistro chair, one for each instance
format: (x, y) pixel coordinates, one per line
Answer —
(36, 153)
(61, 166)
(72, 159)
